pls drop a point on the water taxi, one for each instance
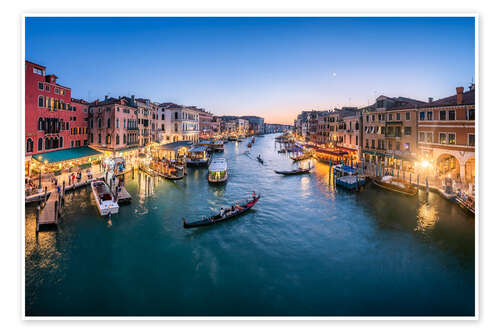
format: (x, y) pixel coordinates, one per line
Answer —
(396, 185)
(104, 198)
(217, 146)
(197, 156)
(217, 171)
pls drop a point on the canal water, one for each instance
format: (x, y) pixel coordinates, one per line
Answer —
(305, 249)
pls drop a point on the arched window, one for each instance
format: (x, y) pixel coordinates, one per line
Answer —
(91, 123)
(176, 127)
(29, 145)
(124, 139)
(40, 124)
(40, 101)
(117, 139)
(61, 142)
(176, 115)
(108, 139)
(47, 143)
(40, 144)
(109, 123)
(91, 137)
(55, 143)
(99, 123)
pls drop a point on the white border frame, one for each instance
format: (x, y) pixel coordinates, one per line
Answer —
(242, 14)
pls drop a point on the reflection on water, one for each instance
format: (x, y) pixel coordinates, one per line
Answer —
(307, 248)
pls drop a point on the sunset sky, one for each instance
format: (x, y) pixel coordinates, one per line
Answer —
(270, 67)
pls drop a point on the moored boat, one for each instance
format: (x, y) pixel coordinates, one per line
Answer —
(249, 145)
(351, 182)
(217, 171)
(217, 146)
(261, 161)
(226, 214)
(104, 198)
(396, 185)
(466, 202)
(197, 156)
(301, 157)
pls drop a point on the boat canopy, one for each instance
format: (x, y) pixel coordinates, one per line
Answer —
(204, 142)
(218, 164)
(330, 151)
(198, 149)
(65, 155)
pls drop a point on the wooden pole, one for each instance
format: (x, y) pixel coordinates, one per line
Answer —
(37, 217)
(426, 184)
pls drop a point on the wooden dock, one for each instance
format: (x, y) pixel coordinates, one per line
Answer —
(123, 196)
(50, 214)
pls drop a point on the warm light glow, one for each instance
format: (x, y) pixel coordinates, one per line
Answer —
(425, 164)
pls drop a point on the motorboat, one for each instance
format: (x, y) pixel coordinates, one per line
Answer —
(104, 198)
(396, 185)
(217, 170)
(197, 156)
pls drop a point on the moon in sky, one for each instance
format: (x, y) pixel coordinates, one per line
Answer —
(334, 74)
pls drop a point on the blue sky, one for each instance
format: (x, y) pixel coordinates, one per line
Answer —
(272, 67)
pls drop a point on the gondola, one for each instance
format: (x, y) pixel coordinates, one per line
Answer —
(298, 171)
(218, 218)
(249, 145)
(260, 159)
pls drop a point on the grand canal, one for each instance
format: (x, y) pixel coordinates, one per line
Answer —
(306, 249)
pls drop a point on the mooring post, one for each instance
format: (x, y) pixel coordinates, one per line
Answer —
(426, 184)
(37, 217)
(418, 180)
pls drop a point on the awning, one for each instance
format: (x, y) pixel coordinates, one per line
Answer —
(199, 149)
(65, 154)
(174, 145)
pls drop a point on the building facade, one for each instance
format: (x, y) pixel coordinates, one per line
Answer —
(446, 135)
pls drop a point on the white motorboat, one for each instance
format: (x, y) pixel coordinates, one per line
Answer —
(217, 171)
(104, 198)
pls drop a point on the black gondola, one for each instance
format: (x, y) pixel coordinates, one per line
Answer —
(298, 171)
(260, 159)
(218, 218)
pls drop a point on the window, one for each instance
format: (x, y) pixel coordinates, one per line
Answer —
(37, 71)
(91, 123)
(124, 139)
(40, 85)
(117, 123)
(91, 137)
(442, 115)
(407, 130)
(429, 115)
(429, 137)
(29, 145)
(47, 88)
(451, 138)
(40, 101)
(398, 145)
(117, 139)
(99, 139)
(422, 115)
(99, 123)
(367, 143)
(109, 123)
(40, 144)
(471, 114)
(408, 116)
(442, 138)
(471, 140)
(72, 144)
(163, 117)
(61, 142)
(40, 124)
(47, 143)
(390, 116)
(398, 116)
(451, 115)
(421, 137)
(124, 123)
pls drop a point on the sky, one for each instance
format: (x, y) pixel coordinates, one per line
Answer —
(274, 67)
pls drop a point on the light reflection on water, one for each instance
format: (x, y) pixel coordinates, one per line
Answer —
(306, 248)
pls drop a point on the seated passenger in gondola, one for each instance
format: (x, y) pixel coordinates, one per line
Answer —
(222, 212)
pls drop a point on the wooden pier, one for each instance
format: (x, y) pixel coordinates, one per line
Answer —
(50, 214)
(123, 196)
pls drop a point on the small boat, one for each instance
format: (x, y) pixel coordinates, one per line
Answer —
(104, 198)
(253, 139)
(396, 185)
(228, 214)
(466, 202)
(282, 151)
(197, 156)
(260, 159)
(218, 146)
(217, 171)
(298, 171)
(351, 182)
(249, 145)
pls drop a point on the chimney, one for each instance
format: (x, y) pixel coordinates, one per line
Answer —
(431, 99)
(460, 95)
